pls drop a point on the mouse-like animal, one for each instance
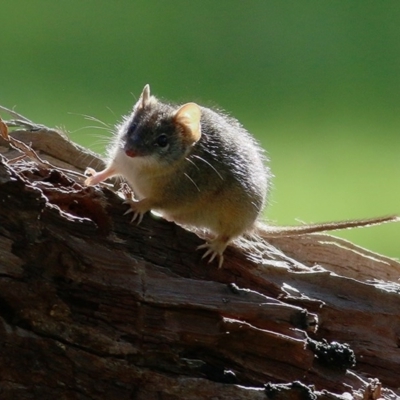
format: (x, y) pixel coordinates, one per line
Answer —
(197, 167)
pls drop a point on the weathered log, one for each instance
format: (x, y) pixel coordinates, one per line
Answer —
(93, 307)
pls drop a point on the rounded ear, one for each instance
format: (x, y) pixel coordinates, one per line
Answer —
(188, 117)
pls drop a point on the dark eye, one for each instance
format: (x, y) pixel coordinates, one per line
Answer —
(132, 127)
(162, 140)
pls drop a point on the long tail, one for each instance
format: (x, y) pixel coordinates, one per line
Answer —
(268, 231)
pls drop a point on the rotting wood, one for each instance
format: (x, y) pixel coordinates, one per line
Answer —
(93, 307)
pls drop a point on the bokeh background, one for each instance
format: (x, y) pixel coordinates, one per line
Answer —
(317, 82)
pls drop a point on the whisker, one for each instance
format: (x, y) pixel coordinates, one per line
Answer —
(101, 136)
(92, 127)
(89, 118)
(103, 128)
(191, 180)
(192, 162)
(210, 165)
(111, 111)
(100, 142)
(94, 119)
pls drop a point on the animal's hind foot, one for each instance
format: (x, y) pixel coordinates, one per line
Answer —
(214, 250)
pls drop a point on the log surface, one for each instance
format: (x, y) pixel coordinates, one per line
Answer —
(93, 307)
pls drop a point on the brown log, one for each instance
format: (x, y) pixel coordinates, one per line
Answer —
(94, 307)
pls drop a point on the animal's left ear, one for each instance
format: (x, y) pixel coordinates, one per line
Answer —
(145, 96)
(188, 117)
(144, 99)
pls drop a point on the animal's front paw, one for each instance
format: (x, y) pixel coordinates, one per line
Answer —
(138, 208)
(96, 177)
(90, 173)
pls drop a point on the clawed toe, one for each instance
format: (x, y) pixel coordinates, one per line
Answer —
(209, 252)
(214, 250)
(137, 215)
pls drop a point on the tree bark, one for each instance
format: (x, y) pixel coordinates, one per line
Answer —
(94, 307)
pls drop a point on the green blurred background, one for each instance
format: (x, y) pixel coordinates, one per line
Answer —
(318, 82)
